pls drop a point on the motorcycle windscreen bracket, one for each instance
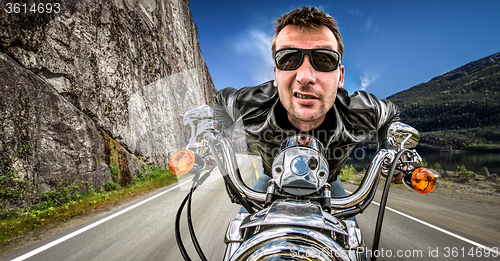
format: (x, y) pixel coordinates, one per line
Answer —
(300, 168)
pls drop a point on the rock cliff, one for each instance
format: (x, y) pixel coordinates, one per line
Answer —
(100, 85)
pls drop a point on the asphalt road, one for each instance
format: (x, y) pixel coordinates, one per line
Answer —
(139, 230)
(430, 227)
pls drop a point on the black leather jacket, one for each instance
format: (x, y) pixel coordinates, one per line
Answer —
(352, 119)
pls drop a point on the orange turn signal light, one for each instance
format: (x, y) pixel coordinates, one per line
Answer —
(182, 162)
(423, 181)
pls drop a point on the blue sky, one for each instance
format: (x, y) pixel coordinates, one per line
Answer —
(389, 45)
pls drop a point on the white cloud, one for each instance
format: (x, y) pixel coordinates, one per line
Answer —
(354, 12)
(370, 25)
(255, 48)
(366, 80)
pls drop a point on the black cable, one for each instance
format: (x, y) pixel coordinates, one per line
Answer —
(178, 238)
(189, 219)
(383, 201)
(191, 230)
(177, 230)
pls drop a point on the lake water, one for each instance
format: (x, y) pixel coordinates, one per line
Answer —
(472, 160)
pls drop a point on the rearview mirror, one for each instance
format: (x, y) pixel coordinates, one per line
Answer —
(402, 136)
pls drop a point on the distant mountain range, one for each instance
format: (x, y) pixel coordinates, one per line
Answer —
(457, 110)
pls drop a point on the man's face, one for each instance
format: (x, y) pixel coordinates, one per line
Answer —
(319, 88)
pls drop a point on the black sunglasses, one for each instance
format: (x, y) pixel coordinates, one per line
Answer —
(289, 59)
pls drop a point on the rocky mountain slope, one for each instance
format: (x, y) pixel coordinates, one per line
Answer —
(96, 90)
(457, 110)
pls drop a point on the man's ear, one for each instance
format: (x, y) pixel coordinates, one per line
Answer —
(341, 76)
(275, 83)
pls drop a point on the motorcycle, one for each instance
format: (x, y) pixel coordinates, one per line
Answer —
(296, 218)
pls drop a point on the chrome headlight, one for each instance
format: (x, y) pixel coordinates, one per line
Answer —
(300, 167)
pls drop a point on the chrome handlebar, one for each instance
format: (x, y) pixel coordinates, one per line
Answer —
(231, 166)
(400, 136)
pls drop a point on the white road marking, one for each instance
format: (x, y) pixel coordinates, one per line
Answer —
(62, 239)
(439, 229)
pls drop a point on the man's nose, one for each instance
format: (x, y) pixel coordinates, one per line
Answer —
(306, 74)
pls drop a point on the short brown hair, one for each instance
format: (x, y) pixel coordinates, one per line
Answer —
(308, 18)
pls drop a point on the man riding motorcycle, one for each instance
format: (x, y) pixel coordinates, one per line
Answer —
(304, 125)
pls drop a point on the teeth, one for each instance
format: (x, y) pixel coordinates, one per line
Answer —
(298, 95)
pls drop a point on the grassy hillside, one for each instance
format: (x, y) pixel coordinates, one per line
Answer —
(457, 110)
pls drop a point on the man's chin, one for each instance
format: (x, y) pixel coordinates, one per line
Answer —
(310, 117)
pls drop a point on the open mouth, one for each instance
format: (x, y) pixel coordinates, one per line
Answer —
(301, 96)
